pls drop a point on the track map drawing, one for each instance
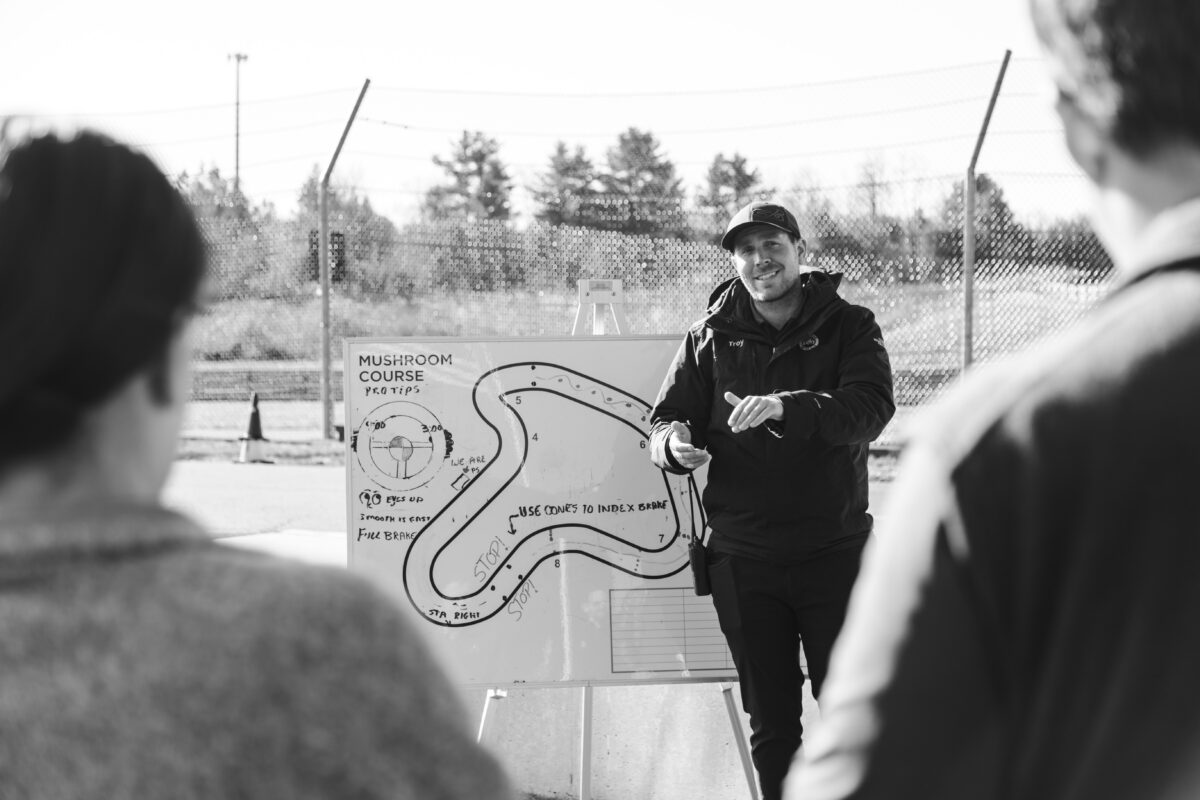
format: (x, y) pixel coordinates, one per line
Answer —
(509, 497)
(642, 539)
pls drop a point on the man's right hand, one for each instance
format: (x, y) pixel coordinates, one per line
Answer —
(682, 450)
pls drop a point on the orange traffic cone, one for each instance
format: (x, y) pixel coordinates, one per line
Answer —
(252, 442)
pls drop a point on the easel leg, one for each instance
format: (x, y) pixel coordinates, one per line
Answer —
(600, 297)
(618, 312)
(493, 694)
(585, 747)
(740, 739)
(577, 328)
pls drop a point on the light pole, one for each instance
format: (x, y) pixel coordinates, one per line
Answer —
(237, 120)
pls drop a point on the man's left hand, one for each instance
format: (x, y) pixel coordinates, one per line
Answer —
(753, 410)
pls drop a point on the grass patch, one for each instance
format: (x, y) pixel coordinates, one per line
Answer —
(921, 322)
(290, 330)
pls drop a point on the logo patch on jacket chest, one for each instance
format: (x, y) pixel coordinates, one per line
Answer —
(809, 343)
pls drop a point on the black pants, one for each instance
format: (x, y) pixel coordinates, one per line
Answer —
(766, 610)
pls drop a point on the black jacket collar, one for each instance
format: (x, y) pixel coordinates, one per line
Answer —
(731, 310)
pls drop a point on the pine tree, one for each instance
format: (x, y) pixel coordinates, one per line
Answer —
(641, 193)
(567, 189)
(479, 186)
(729, 185)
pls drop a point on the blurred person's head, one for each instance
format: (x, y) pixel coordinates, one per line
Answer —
(101, 263)
(1127, 73)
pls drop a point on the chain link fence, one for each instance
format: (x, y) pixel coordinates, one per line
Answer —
(262, 328)
(897, 241)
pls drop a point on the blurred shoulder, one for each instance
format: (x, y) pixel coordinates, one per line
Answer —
(253, 594)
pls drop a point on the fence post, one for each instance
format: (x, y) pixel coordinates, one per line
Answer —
(323, 255)
(968, 353)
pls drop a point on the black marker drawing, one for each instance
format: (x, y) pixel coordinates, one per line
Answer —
(477, 556)
(401, 445)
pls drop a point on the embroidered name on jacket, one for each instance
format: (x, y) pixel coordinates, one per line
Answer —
(809, 343)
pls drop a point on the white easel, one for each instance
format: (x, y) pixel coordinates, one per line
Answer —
(602, 297)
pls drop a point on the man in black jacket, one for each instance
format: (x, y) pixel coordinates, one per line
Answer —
(782, 385)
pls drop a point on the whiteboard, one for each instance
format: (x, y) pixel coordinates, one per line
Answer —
(502, 490)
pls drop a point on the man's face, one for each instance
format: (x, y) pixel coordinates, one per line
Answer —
(768, 262)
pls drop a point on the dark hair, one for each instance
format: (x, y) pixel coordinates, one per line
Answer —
(100, 261)
(1133, 65)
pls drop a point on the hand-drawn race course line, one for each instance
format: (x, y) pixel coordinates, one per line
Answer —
(508, 562)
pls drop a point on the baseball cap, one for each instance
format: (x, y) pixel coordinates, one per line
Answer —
(760, 212)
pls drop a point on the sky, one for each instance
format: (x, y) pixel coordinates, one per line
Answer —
(806, 91)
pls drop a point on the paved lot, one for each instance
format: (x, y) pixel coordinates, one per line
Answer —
(650, 742)
(238, 499)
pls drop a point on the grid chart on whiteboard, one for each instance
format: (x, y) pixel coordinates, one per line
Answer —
(665, 630)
